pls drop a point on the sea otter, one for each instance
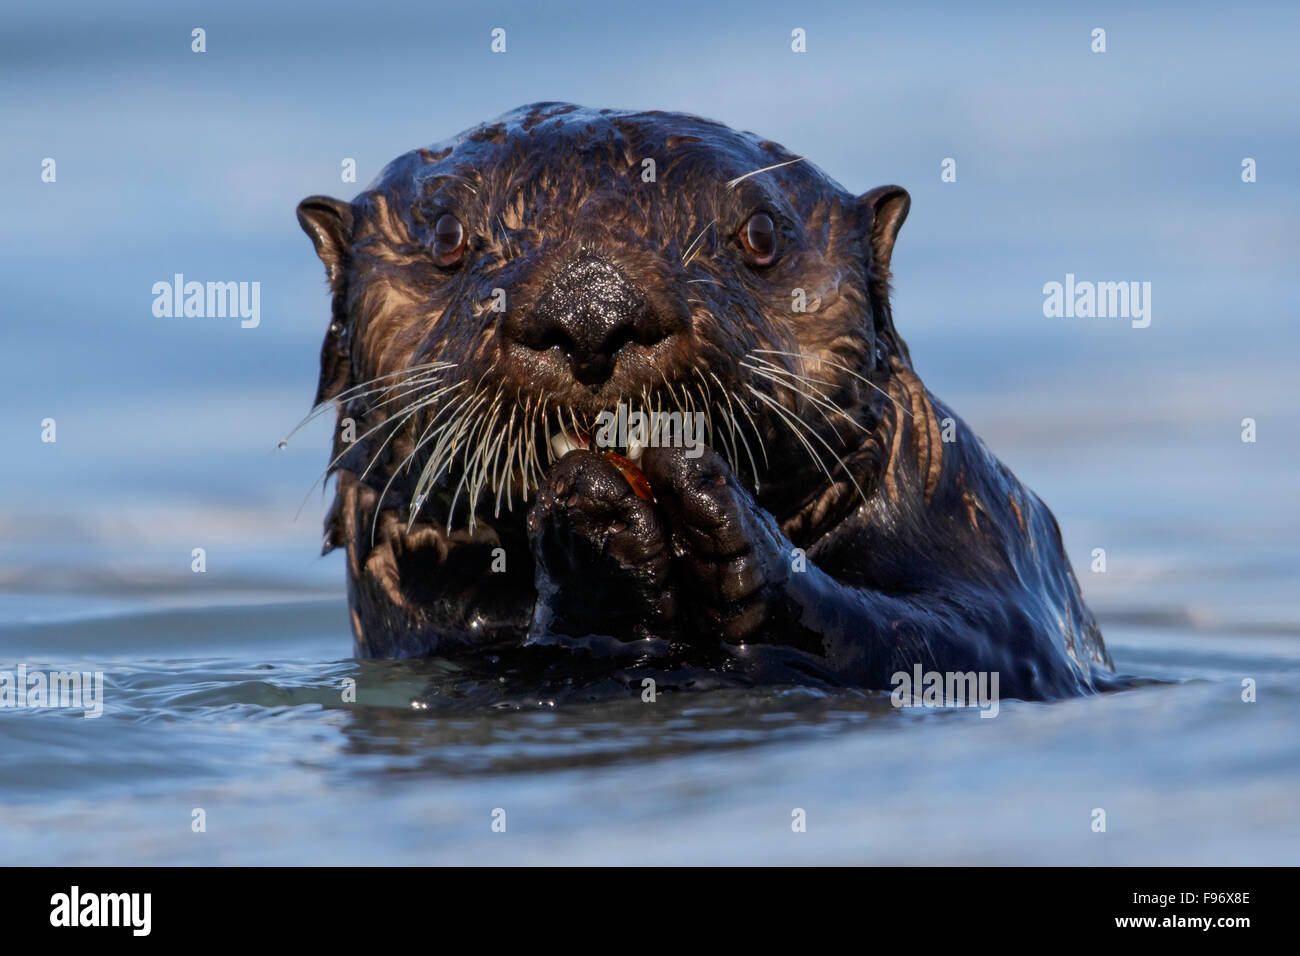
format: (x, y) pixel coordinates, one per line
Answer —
(502, 297)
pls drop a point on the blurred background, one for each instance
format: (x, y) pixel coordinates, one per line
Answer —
(1122, 166)
(1117, 166)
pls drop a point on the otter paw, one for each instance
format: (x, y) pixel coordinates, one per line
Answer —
(728, 552)
(602, 558)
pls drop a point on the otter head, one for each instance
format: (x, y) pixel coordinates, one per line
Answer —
(496, 294)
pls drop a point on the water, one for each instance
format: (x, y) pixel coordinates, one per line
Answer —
(224, 688)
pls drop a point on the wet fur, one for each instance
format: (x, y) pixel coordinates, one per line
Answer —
(918, 550)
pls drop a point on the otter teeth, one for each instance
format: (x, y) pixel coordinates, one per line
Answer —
(562, 443)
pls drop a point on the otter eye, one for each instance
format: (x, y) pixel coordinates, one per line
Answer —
(759, 239)
(449, 240)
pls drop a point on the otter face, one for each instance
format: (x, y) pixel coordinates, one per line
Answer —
(508, 303)
(496, 294)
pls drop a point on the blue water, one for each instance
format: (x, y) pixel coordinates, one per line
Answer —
(224, 688)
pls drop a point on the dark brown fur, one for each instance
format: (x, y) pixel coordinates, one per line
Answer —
(918, 550)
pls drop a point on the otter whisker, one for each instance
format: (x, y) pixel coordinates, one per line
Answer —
(486, 456)
(787, 416)
(350, 392)
(573, 419)
(808, 388)
(488, 464)
(429, 477)
(520, 447)
(471, 432)
(413, 374)
(417, 501)
(388, 420)
(464, 477)
(379, 501)
(426, 372)
(818, 401)
(329, 468)
(758, 432)
(781, 369)
(503, 469)
(444, 451)
(844, 368)
(410, 387)
(421, 386)
(706, 398)
(429, 434)
(482, 445)
(734, 429)
(782, 416)
(529, 448)
(672, 393)
(473, 461)
(733, 183)
(689, 405)
(400, 419)
(505, 236)
(550, 443)
(446, 440)
(802, 394)
(392, 477)
(468, 185)
(689, 254)
(456, 406)
(709, 406)
(533, 461)
(810, 394)
(792, 384)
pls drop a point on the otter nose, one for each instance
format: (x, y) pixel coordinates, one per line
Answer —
(590, 312)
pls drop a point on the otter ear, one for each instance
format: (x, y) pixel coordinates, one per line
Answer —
(328, 223)
(887, 206)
